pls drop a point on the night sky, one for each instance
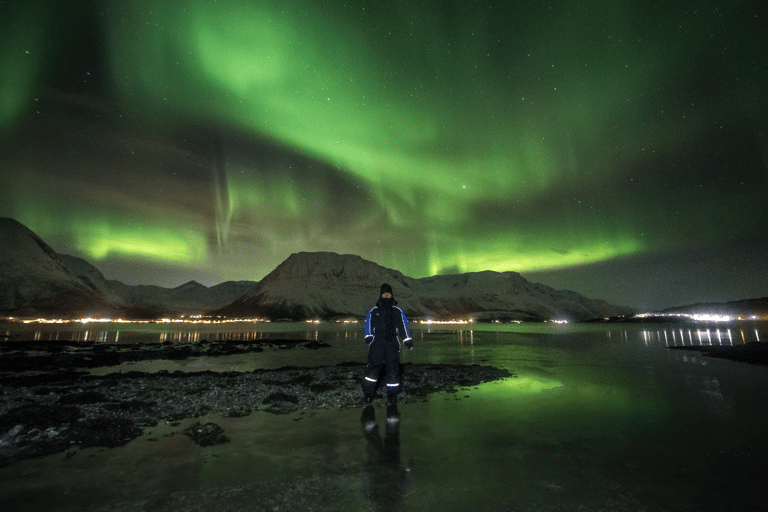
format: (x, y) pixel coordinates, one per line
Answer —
(617, 149)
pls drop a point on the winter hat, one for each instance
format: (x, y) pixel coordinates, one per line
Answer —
(385, 288)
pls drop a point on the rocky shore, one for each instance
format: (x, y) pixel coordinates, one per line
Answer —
(51, 403)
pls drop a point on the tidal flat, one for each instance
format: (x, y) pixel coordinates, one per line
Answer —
(52, 403)
(492, 418)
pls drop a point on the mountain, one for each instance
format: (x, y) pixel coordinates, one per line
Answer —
(747, 307)
(191, 297)
(324, 285)
(37, 281)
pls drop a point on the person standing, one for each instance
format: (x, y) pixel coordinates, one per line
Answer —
(386, 330)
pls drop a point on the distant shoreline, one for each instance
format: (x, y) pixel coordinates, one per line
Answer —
(753, 352)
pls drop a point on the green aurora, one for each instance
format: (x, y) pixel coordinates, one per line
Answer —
(214, 138)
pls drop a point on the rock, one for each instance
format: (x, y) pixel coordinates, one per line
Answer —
(34, 416)
(280, 397)
(105, 431)
(86, 397)
(237, 412)
(280, 403)
(208, 434)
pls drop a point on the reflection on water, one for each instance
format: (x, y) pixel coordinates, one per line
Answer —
(665, 335)
(700, 337)
(90, 335)
(196, 336)
(140, 333)
(388, 479)
(595, 417)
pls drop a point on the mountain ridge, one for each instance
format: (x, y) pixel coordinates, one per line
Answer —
(757, 306)
(34, 278)
(37, 281)
(328, 285)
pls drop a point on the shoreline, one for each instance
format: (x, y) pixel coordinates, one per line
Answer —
(752, 352)
(67, 408)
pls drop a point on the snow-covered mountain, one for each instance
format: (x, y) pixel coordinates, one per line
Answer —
(37, 281)
(328, 285)
(190, 297)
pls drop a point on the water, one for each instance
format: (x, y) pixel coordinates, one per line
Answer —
(597, 418)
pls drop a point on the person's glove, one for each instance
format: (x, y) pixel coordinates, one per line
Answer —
(368, 340)
(408, 343)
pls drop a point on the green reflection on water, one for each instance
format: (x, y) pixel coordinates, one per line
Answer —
(522, 385)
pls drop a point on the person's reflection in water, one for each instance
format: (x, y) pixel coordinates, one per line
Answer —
(388, 479)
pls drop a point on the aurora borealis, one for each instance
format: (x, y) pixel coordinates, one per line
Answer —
(619, 150)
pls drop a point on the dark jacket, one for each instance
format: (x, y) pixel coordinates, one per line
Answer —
(387, 321)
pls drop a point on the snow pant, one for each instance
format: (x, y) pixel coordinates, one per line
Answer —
(382, 353)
